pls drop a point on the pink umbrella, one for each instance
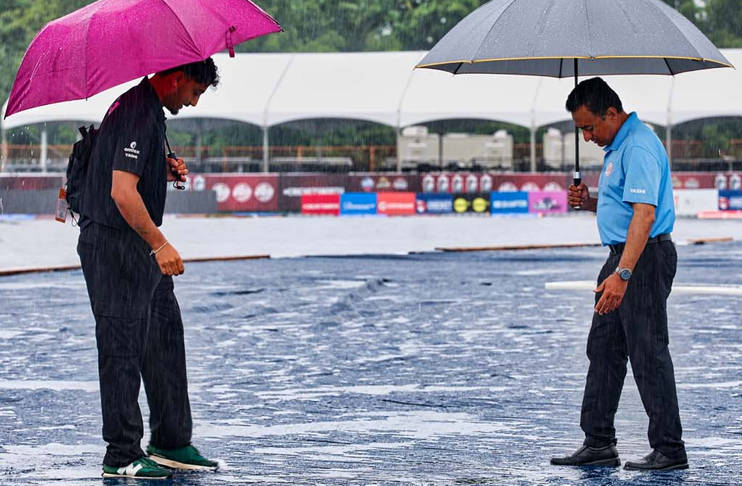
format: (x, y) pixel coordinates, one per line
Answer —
(110, 42)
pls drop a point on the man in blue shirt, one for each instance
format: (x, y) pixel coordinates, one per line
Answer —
(636, 214)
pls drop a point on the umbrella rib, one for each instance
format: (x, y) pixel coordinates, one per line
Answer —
(512, 2)
(669, 69)
(677, 28)
(87, 38)
(589, 34)
(193, 41)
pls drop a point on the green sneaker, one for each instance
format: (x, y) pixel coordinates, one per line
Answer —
(186, 457)
(142, 468)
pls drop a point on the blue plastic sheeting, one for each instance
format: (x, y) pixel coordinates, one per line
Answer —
(423, 369)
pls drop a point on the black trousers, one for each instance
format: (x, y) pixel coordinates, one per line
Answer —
(139, 333)
(637, 331)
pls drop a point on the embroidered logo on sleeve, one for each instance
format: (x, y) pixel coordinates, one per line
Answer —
(637, 191)
(131, 151)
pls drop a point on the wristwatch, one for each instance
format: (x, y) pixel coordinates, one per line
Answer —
(624, 273)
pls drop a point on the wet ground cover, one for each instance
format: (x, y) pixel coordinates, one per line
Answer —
(376, 369)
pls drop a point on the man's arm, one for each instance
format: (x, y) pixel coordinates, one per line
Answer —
(129, 202)
(639, 230)
(614, 287)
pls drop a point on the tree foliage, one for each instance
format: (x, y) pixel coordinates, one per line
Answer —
(340, 25)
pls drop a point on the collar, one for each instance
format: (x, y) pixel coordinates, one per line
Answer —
(151, 98)
(623, 132)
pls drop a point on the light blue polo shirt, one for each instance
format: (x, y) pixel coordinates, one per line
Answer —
(635, 170)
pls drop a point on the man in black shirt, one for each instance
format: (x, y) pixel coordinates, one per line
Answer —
(129, 267)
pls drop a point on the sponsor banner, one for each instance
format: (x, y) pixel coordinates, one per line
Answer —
(434, 204)
(355, 203)
(691, 202)
(509, 202)
(728, 182)
(383, 183)
(395, 203)
(730, 200)
(237, 192)
(543, 202)
(471, 203)
(457, 183)
(294, 186)
(320, 204)
(477, 183)
(707, 180)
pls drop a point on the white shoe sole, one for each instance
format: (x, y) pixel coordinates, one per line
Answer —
(111, 475)
(179, 465)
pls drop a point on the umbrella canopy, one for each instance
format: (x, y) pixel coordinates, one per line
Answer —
(565, 38)
(544, 37)
(110, 42)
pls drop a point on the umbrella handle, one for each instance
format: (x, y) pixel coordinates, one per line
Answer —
(577, 179)
(177, 183)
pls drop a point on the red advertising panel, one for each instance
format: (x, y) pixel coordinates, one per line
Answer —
(240, 193)
(320, 204)
(707, 180)
(395, 203)
(390, 182)
(293, 186)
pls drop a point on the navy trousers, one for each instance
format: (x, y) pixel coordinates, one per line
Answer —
(139, 334)
(636, 331)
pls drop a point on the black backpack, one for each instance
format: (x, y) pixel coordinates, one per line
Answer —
(77, 168)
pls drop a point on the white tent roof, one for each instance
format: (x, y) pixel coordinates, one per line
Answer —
(270, 89)
(362, 86)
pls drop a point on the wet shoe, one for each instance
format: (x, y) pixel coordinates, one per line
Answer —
(590, 456)
(186, 457)
(657, 461)
(142, 468)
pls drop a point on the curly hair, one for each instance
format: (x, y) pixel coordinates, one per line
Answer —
(203, 72)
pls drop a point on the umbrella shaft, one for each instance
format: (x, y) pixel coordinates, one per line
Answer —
(577, 136)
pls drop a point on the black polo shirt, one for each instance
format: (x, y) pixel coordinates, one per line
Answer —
(131, 139)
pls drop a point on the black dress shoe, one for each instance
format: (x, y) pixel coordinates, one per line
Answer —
(590, 456)
(657, 461)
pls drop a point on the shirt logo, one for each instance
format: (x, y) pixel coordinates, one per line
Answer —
(609, 169)
(131, 151)
(637, 191)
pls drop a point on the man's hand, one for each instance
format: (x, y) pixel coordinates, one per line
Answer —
(178, 170)
(169, 261)
(579, 196)
(613, 289)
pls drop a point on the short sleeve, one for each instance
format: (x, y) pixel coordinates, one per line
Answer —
(642, 176)
(134, 145)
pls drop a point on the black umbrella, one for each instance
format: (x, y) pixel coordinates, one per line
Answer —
(564, 38)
